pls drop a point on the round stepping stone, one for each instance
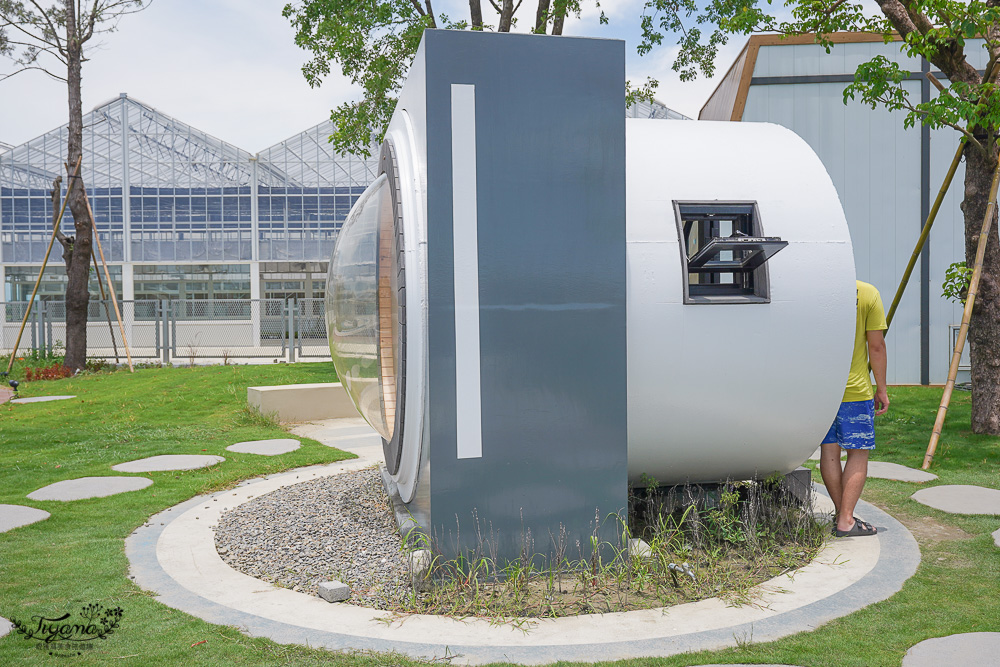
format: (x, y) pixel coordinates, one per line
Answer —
(169, 462)
(996, 538)
(886, 470)
(41, 399)
(960, 499)
(15, 516)
(89, 487)
(266, 447)
(5, 626)
(969, 648)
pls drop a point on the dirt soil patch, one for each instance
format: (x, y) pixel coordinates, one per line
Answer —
(929, 531)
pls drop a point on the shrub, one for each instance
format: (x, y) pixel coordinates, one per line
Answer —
(54, 372)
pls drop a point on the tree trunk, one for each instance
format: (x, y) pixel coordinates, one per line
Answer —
(78, 255)
(506, 16)
(476, 14)
(542, 16)
(984, 329)
(558, 16)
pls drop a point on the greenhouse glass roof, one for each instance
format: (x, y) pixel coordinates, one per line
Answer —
(158, 151)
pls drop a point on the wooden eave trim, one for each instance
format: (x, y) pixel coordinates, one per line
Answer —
(725, 76)
(740, 103)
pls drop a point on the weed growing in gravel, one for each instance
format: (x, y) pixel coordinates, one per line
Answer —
(679, 545)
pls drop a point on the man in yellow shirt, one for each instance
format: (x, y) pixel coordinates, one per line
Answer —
(854, 427)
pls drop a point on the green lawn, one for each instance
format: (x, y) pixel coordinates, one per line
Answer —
(76, 557)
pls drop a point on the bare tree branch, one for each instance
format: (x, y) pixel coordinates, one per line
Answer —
(55, 33)
(32, 36)
(4, 77)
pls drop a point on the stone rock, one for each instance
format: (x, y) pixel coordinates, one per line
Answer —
(996, 538)
(41, 399)
(420, 569)
(638, 548)
(266, 447)
(960, 499)
(334, 591)
(89, 487)
(5, 626)
(886, 470)
(15, 516)
(969, 648)
(169, 462)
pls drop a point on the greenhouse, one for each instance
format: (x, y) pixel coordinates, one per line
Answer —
(187, 219)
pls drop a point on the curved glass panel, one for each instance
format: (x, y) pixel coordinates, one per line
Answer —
(361, 340)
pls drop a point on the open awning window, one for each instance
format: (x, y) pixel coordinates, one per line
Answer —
(724, 252)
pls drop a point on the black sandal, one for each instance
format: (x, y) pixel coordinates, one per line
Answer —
(859, 529)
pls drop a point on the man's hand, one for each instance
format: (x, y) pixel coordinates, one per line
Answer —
(879, 359)
(881, 401)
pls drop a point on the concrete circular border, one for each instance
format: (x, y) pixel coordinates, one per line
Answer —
(174, 555)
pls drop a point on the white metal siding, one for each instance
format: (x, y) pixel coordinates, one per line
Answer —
(875, 165)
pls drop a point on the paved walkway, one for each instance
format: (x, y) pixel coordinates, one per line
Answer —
(174, 555)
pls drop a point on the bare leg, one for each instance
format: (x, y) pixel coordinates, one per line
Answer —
(829, 468)
(854, 476)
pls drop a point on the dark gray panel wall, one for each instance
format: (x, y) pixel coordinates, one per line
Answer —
(551, 209)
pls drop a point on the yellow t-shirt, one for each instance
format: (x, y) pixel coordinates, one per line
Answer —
(871, 317)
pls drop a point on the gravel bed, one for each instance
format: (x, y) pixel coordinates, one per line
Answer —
(338, 527)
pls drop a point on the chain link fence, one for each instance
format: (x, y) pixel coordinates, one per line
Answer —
(177, 331)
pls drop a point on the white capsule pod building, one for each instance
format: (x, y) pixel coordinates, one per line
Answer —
(735, 369)
(538, 302)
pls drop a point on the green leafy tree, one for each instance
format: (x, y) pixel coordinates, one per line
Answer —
(52, 40)
(373, 43)
(938, 30)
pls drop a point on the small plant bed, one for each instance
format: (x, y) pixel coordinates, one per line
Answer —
(696, 543)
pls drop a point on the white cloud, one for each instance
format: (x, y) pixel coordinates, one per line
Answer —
(231, 68)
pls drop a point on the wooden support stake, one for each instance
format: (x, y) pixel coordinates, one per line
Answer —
(104, 300)
(970, 301)
(925, 232)
(107, 274)
(55, 228)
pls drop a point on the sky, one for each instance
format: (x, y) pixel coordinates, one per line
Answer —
(231, 68)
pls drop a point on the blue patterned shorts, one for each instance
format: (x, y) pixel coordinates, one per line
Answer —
(854, 427)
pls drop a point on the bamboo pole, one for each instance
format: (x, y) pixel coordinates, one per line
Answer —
(104, 301)
(970, 301)
(55, 228)
(925, 232)
(107, 274)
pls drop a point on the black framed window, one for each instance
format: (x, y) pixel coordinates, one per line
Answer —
(724, 252)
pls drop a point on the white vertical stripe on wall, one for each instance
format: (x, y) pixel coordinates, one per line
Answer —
(468, 389)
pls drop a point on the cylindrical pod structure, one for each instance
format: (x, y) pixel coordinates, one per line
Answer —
(740, 302)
